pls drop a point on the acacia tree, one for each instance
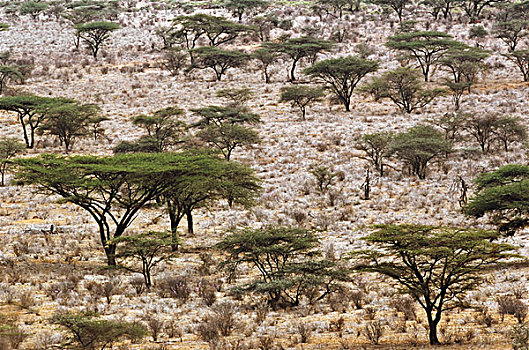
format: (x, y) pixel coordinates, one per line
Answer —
(464, 64)
(299, 48)
(91, 332)
(508, 130)
(68, 121)
(437, 266)
(240, 7)
(474, 8)
(265, 58)
(418, 146)
(150, 248)
(31, 111)
(164, 127)
(219, 60)
(511, 31)
(111, 189)
(302, 96)
(226, 128)
(342, 75)
(397, 5)
(210, 179)
(9, 147)
(481, 128)
(95, 34)
(376, 147)
(426, 47)
(521, 59)
(286, 259)
(9, 73)
(404, 87)
(503, 195)
(32, 8)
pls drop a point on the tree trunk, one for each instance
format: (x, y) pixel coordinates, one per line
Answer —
(432, 328)
(189, 217)
(292, 71)
(110, 251)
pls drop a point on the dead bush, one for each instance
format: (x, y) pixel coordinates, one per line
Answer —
(373, 331)
(509, 305)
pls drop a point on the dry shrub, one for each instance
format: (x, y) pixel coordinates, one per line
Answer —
(406, 305)
(509, 305)
(373, 331)
(305, 331)
(175, 287)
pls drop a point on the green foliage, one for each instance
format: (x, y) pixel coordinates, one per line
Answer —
(477, 31)
(474, 8)
(9, 73)
(83, 11)
(218, 59)
(299, 48)
(404, 87)
(95, 33)
(435, 265)
(286, 261)
(163, 126)
(504, 195)
(511, 31)
(240, 7)
(4, 27)
(426, 47)
(397, 5)
(342, 75)
(68, 121)
(111, 189)
(91, 333)
(265, 58)
(418, 146)
(302, 96)
(9, 147)
(150, 248)
(237, 98)
(31, 110)
(33, 8)
(144, 144)
(376, 147)
(323, 176)
(11, 336)
(521, 59)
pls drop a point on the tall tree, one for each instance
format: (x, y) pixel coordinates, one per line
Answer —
(111, 189)
(265, 58)
(342, 75)
(474, 8)
(240, 7)
(9, 73)
(163, 126)
(150, 249)
(31, 111)
(502, 195)
(287, 262)
(418, 146)
(404, 87)
(210, 179)
(437, 266)
(33, 8)
(521, 59)
(9, 147)
(219, 60)
(397, 5)
(301, 96)
(299, 48)
(426, 47)
(68, 122)
(376, 147)
(226, 128)
(508, 130)
(95, 34)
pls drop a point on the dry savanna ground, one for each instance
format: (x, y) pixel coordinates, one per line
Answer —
(44, 273)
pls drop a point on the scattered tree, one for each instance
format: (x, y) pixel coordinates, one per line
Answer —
(503, 194)
(418, 146)
(9, 147)
(286, 260)
(481, 127)
(240, 7)
(95, 34)
(437, 266)
(299, 48)
(342, 75)
(33, 8)
(403, 86)
(91, 332)
(397, 5)
(265, 58)
(31, 111)
(149, 248)
(508, 130)
(426, 47)
(163, 126)
(9, 73)
(219, 60)
(376, 147)
(68, 121)
(521, 59)
(302, 96)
